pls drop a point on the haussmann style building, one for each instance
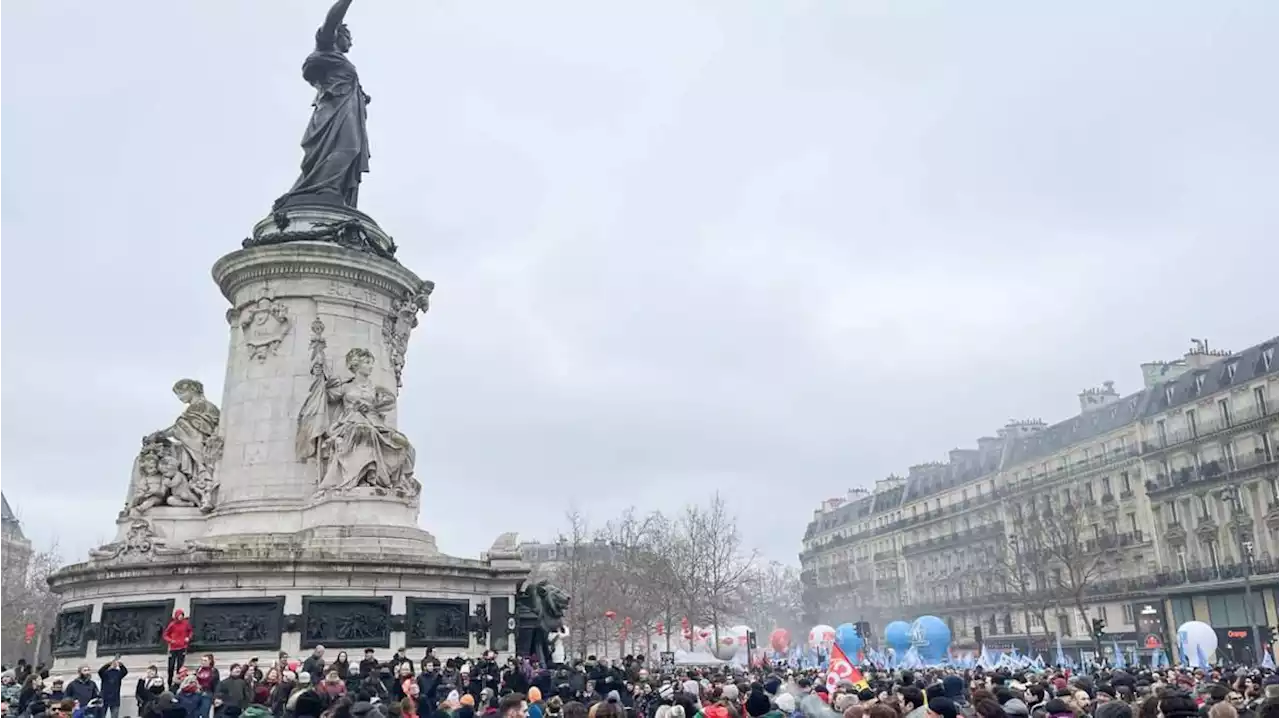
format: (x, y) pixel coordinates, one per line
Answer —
(1146, 510)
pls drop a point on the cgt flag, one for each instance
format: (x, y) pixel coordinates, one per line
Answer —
(840, 669)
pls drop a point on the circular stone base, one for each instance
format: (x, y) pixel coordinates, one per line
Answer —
(264, 594)
(340, 225)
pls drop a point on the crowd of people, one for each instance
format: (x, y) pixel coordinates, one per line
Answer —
(317, 687)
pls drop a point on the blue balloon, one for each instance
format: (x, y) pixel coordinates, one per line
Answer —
(849, 641)
(897, 635)
(931, 637)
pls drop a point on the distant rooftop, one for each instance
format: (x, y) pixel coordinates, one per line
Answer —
(12, 527)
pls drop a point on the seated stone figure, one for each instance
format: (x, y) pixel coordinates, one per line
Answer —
(175, 466)
(343, 423)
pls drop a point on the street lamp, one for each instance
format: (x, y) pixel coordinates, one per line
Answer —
(1231, 495)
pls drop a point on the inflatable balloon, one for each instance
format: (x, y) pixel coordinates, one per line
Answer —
(1198, 641)
(849, 641)
(931, 638)
(780, 640)
(723, 646)
(897, 635)
(822, 636)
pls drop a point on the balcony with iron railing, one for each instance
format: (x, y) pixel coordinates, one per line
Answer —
(1209, 426)
(955, 538)
(1110, 542)
(1078, 470)
(1210, 473)
(1164, 581)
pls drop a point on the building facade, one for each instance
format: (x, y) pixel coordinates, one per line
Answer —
(14, 547)
(1144, 511)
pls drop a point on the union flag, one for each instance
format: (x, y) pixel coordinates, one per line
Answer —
(840, 668)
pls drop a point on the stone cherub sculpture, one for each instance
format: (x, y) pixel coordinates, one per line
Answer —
(175, 466)
(343, 425)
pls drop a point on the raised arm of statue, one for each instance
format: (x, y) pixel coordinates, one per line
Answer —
(332, 22)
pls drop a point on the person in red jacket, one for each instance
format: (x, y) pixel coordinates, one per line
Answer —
(177, 635)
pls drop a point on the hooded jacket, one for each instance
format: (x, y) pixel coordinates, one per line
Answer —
(177, 635)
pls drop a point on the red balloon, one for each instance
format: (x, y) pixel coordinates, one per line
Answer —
(704, 633)
(610, 615)
(780, 640)
(660, 628)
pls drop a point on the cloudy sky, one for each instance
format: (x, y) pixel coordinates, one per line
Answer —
(776, 249)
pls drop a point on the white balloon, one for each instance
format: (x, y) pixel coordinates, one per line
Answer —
(739, 633)
(1197, 639)
(822, 636)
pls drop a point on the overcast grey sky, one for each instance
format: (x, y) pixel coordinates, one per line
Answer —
(776, 248)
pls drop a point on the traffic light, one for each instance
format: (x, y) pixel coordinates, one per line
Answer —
(1098, 626)
(1266, 635)
(977, 635)
(751, 640)
(864, 630)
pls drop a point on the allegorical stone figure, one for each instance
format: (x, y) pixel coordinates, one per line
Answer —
(343, 424)
(335, 146)
(175, 466)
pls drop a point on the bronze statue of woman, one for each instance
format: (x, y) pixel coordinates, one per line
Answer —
(336, 144)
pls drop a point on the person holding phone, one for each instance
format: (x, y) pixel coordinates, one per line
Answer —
(111, 677)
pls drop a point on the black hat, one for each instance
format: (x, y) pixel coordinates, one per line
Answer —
(944, 707)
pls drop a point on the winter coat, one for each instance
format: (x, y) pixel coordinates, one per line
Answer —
(279, 697)
(111, 679)
(84, 690)
(195, 704)
(208, 678)
(315, 666)
(177, 635)
(144, 693)
(235, 691)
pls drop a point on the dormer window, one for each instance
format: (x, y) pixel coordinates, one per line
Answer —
(1168, 395)
(1269, 358)
(1231, 371)
(1199, 382)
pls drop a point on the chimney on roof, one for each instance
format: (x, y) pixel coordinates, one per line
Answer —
(1158, 372)
(1098, 397)
(1201, 356)
(1018, 428)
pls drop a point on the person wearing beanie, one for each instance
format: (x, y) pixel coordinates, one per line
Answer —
(1113, 709)
(1016, 708)
(307, 704)
(1178, 706)
(942, 707)
(1058, 708)
(758, 706)
(772, 685)
(535, 702)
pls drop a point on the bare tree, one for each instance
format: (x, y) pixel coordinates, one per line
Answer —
(27, 600)
(718, 566)
(655, 569)
(631, 541)
(1020, 568)
(578, 567)
(1071, 551)
(771, 597)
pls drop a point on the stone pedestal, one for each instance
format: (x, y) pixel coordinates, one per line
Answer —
(227, 517)
(348, 299)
